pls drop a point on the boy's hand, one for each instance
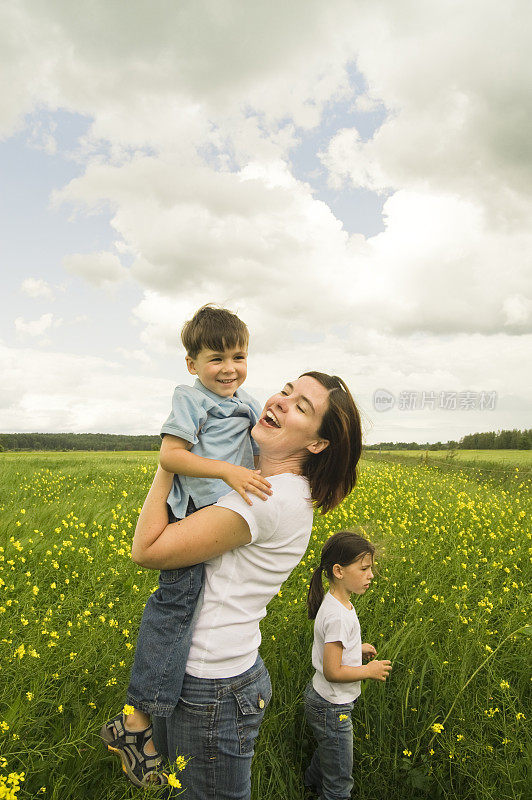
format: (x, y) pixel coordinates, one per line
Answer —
(244, 481)
(368, 651)
(378, 670)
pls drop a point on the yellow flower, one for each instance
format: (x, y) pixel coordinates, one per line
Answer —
(127, 710)
(407, 752)
(437, 727)
(342, 717)
(180, 763)
(173, 781)
(504, 685)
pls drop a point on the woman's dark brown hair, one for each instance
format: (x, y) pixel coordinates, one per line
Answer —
(332, 474)
(342, 548)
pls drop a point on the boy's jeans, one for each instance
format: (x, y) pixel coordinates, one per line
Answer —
(164, 639)
(215, 723)
(331, 767)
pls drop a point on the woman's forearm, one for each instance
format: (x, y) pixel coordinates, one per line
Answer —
(153, 517)
(205, 534)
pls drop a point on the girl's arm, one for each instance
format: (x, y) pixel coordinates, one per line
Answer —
(175, 457)
(205, 534)
(336, 672)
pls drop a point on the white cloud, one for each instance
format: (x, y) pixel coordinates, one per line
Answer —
(440, 267)
(240, 237)
(100, 269)
(41, 136)
(37, 327)
(134, 355)
(194, 110)
(172, 58)
(78, 393)
(459, 120)
(36, 287)
(518, 310)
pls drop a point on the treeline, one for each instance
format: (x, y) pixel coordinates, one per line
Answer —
(493, 440)
(77, 441)
(500, 440)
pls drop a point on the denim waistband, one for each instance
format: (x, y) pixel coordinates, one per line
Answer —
(201, 689)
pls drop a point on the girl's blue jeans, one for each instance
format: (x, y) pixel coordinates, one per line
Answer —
(164, 639)
(215, 724)
(330, 772)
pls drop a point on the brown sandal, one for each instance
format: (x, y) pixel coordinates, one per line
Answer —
(143, 769)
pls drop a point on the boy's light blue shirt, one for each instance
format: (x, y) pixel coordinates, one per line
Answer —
(217, 427)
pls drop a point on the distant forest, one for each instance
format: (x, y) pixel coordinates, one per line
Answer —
(77, 441)
(501, 440)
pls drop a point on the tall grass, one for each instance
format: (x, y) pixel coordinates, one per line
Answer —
(449, 608)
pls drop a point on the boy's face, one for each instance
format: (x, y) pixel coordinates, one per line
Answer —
(220, 372)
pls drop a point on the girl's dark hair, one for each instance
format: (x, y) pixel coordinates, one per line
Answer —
(342, 548)
(332, 474)
(214, 328)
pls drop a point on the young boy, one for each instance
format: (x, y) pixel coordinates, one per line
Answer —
(207, 444)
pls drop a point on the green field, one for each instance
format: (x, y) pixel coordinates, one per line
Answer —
(449, 607)
(503, 457)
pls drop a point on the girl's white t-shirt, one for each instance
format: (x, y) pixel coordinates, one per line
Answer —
(240, 583)
(336, 623)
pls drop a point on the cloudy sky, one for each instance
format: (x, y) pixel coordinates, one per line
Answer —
(353, 177)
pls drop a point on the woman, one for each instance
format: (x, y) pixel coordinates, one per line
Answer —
(310, 442)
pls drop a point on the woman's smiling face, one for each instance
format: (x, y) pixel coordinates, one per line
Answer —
(291, 419)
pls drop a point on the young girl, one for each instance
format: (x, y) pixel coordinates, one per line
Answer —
(337, 653)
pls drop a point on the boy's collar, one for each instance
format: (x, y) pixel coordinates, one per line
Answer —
(216, 397)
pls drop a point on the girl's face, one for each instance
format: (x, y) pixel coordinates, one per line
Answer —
(357, 576)
(291, 419)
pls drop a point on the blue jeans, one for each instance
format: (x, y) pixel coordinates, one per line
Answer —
(330, 772)
(164, 639)
(215, 724)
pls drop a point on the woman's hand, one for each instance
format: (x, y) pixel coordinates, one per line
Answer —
(245, 481)
(368, 651)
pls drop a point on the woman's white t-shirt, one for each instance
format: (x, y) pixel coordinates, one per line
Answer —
(240, 583)
(336, 623)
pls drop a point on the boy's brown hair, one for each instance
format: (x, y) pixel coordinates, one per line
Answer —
(213, 328)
